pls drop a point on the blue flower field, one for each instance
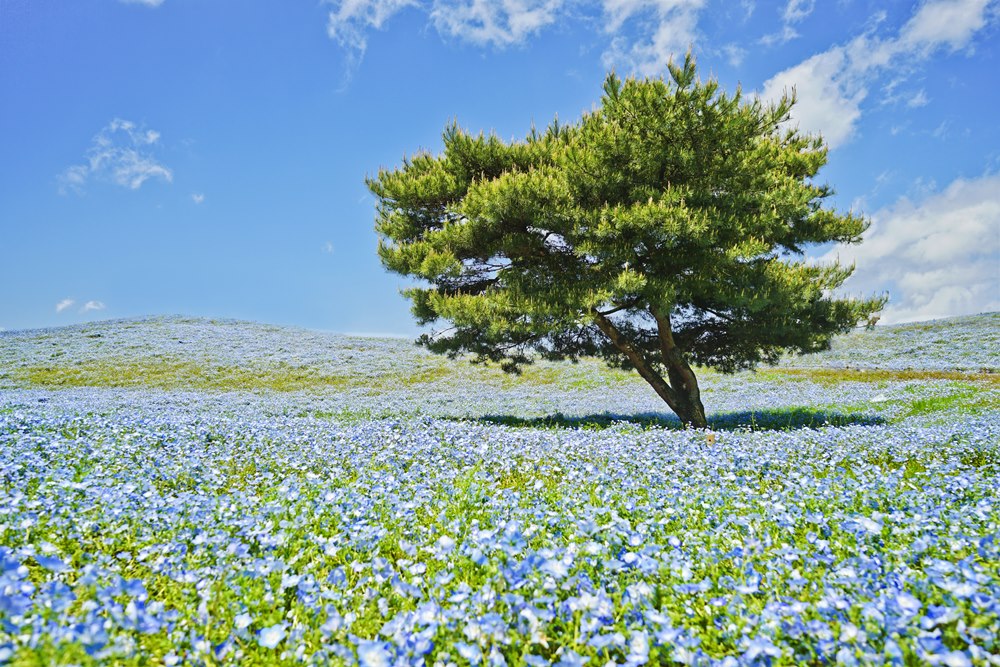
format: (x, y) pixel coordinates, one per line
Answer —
(192, 492)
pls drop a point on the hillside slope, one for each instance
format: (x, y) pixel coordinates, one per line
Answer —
(970, 343)
(336, 374)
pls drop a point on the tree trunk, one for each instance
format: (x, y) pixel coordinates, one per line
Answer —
(682, 379)
(681, 393)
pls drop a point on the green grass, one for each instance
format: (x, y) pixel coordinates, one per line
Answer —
(779, 419)
(178, 373)
(964, 398)
(832, 376)
(166, 373)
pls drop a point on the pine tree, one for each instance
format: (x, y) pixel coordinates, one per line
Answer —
(665, 229)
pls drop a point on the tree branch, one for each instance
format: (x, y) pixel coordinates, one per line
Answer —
(647, 372)
(624, 306)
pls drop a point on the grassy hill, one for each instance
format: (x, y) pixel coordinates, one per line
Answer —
(970, 343)
(890, 371)
(189, 491)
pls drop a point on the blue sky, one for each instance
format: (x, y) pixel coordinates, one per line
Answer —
(207, 157)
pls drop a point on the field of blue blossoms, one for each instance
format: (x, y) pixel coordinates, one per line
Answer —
(187, 492)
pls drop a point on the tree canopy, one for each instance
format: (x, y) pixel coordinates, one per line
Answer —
(664, 229)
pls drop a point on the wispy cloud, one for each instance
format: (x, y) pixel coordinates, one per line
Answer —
(122, 154)
(667, 28)
(795, 12)
(642, 34)
(937, 257)
(734, 54)
(350, 20)
(833, 84)
(197, 197)
(89, 306)
(148, 3)
(328, 247)
(919, 99)
(498, 23)
(949, 23)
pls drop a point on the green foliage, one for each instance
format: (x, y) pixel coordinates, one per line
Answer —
(665, 227)
(779, 419)
(671, 195)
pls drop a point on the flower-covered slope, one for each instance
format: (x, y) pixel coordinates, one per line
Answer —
(368, 504)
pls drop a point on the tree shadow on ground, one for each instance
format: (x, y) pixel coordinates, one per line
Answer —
(785, 419)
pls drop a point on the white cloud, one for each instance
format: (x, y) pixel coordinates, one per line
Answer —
(497, 22)
(659, 29)
(483, 22)
(832, 85)
(942, 130)
(197, 197)
(795, 12)
(939, 257)
(328, 247)
(92, 305)
(148, 3)
(919, 99)
(122, 154)
(827, 100)
(734, 54)
(951, 22)
(665, 28)
(64, 304)
(669, 28)
(349, 21)
(786, 34)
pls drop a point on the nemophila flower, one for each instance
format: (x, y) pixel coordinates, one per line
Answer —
(953, 659)
(907, 603)
(374, 654)
(271, 636)
(496, 658)
(235, 494)
(470, 652)
(846, 656)
(555, 567)
(638, 647)
(445, 544)
(603, 641)
(570, 658)
(761, 648)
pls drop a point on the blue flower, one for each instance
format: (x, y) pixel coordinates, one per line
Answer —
(469, 652)
(374, 654)
(51, 563)
(571, 658)
(271, 636)
(761, 647)
(954, 659)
